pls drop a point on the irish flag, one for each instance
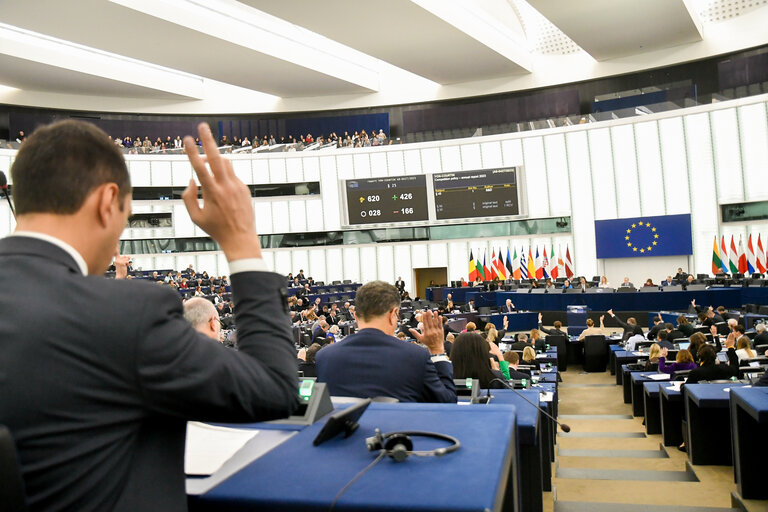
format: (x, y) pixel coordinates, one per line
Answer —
(553, 268)
(516, 273)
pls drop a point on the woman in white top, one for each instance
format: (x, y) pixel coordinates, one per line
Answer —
(744, 350)
(604, 283)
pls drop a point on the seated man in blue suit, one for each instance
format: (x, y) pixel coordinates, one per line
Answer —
(372, 362)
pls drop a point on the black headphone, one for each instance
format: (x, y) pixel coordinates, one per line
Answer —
(399, 445)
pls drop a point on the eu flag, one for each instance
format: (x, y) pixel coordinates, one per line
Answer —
(640, 237)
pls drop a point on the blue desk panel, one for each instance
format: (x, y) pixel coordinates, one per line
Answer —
(709, 422)
(749, 417)
(516, 321)
(671, 415)
(299, 476)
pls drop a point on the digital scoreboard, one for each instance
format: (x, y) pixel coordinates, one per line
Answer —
(468, 194)
(387, 200)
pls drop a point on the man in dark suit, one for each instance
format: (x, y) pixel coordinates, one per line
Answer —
(663, 340)
(672, 333)
(98, 403)
(557, 331)
(469, 307)
(630, 326)
(681, 276)
(658, 325)
(508, 307)
(372, 362)
(400, 285)
(668, 281)
(761, 338)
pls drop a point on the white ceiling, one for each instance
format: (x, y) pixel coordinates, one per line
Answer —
(221, 56)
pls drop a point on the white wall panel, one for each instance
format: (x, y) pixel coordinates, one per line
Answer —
(625, 171)
(512, 152)
(557, 175)
(140, 173)
(182, 224)
(368, 264)
(378, 164)
(280, 221)
(317, 265)
(395, 163)
(242, 168)
(260, 168)
(205, 263)
(222, 266)
(143, 262)
(362, 164)
(430, 160)
(351, 266)
(491, 154)
(754, 145)
(297, 215)
(403, 266)
(727, 151)
(159, 175)
(413, 162)
(470, 157)
(583, 217)
(263, 213)
(333, 264)
(385, 265)
(293, 171)
(437, 255)
(269, 260)
(282, 262)
(300, 261)
(314, 215)
(703, 206)
(277, 170)
(5, 166)
(311, 166)
(675, 166)
(344, 166)
(536, 183)
(603, 182)
(450, 160)
(329, 190)
(652, 198)
(458, 260)
(419, 256)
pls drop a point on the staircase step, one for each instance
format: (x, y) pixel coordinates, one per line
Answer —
(608, 443)
(654, 464)
(598, 417)
(604, 434)
(584, 506)
(626, 474)
(676, 495)
(643, 454)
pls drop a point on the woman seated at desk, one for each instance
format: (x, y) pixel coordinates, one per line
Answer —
(685, 327)
(649, 282)
(744, 349)
(684, 361)
(653, 357)
(604, 283)
(529, 355)
(471, 360)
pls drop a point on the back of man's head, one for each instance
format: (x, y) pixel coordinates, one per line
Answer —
(311, 351)
(631, 321)
(668, 326)
(202, 316)
(661, 335)
(558, 324)
(376, 299)
(511, 357)
(59, 165)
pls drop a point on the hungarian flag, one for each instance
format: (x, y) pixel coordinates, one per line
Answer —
(472, 268)
(553, 270)
(523, 265)
(733, 261)
(568, 263)
(516, 273)
(531, 264)
(510, 268)
(539, 265)
(723, 256)
(716, 262)
(502, 271)
(760, 256)
(751, 263)
(743, 267)
(487, 274)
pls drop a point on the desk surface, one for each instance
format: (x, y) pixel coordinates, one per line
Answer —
(652, 388)
(752, 400)
(299, 476)
(527, 415)
(711, 395)
(638, 377)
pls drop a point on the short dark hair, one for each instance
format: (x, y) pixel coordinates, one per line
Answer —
(375, 299)
(61, 163)
(661, 335)
(668, 326)
(707, 354)
(558, 324)
(739, 328)
(311, 351)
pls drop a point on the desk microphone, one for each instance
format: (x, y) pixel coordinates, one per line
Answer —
(563, 426)
(4, 188)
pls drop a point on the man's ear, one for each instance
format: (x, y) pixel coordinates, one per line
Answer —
(108, 202)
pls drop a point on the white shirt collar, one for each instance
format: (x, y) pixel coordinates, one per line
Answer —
(58, 243)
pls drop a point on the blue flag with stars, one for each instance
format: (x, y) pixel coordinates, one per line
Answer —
(640, 237)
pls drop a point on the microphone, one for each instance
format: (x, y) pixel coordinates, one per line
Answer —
(563, 426)
(4, 188)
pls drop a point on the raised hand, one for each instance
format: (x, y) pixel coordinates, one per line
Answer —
(433, 332)
(121, 264)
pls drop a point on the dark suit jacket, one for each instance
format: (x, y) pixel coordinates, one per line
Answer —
(761, 339)
(629, 330)
(654, 331)
(675, 334)
(716, 371)
(371, 363)
(99, 378)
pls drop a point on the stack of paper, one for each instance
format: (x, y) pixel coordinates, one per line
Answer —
(209, 447)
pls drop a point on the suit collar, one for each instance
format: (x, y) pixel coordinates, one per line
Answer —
(18, 244)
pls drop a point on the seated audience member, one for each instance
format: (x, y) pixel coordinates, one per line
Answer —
(653, 357)
(697, 341)
(684, 326)
(199, 292)
(591, 330)
(307, 365)
(626, 283)
(508, 307)
(658, 325)
(203, 317)
(761, 338)
(631, 343)
(710, 368)
(470, 361)
(668, 281)
(470, 327)
(557, 331)
(583, 285)
(630, 326)
(744, 349)
(681, 276)
(604, 282)
(513, 361)
(648, 283)
(684, 361)
(372, 362)
(549, 285)
(662, 338)
(529, 355)
(469, 307)
(320, 332)
(537, 342)
(332, 334)
(567, 285)
(448, 303)
(521, 343)
(98, 405)
(672, 333)
(689, 281)
(448, 343)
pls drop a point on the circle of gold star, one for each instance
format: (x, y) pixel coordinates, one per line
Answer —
(637, 248)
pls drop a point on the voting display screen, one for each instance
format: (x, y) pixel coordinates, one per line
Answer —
(467, 194)
(387, 200)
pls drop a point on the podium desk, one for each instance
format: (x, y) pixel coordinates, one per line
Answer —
(749, 419)
(518, 321)
(295, 475)
(671, 403)
(637, 380)
(652, 406)
(709, 422)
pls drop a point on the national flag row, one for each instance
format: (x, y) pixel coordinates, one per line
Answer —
(735, 260)
(525, 266)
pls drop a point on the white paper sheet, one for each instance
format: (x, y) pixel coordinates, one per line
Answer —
(209, 447)
(547, 396)
(659, 376)
(676, 386)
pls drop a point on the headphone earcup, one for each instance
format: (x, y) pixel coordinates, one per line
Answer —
(397, 446)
